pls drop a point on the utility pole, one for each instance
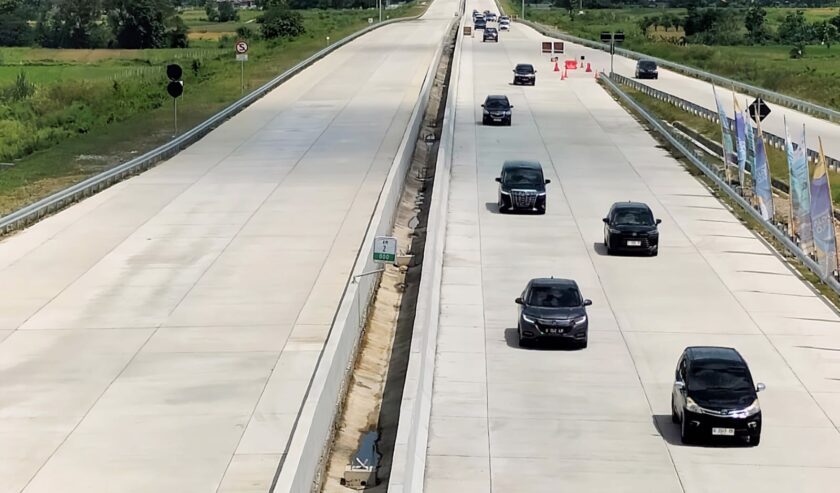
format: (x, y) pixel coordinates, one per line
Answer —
(523, 9)
(380, 10)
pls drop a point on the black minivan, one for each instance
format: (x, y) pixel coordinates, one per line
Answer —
(646, 69)
(496, 109)
(522, 187)
(714, 396)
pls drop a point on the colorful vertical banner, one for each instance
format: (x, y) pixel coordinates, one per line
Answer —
(729, 157)
(800, 190)
(822, 212)
(740, 140)
(750, 132)
(761, 174)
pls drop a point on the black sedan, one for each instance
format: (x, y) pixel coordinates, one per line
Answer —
(714, 396)
(630, 227)
(496, 110)
(524, 73)
(553, 309)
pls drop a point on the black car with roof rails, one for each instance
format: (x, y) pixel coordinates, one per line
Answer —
(553, 309)
(479, 23)
(524, 73)
(714, 396)
(496, 109)
(522, 187)
(646, 69)
(631, 227)
(490, 34)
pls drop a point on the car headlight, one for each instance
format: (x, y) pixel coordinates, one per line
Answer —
(541, 194)
(748, 411)
(507, 113)
(486, 112)
(614, 231)
(579, 320)
(692, 406)
(504, 192)
(528, 319)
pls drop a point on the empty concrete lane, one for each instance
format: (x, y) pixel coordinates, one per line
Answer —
(160, 336)
(509, 419)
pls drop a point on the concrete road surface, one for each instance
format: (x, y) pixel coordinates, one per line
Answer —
(701, 93)
(160, 336)
(512, 420)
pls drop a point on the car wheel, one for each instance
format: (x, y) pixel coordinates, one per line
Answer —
(685, 434)
(523, 342)
(654, 252)
(582, 344)
(509, 122)
(675, 418)
(755, 440)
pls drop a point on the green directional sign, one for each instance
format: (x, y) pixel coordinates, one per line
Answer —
(384, 249)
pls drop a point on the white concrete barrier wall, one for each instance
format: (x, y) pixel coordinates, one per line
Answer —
(409, 461)
(313, 428)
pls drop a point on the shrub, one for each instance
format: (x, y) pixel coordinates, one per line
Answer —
(281, 23)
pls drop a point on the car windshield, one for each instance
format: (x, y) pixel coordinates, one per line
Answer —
(554, 296)
(491, 30)
(496, 104)
(522, 176)
(633, 217)
(719, 377)
(647, 65)
(525, 69)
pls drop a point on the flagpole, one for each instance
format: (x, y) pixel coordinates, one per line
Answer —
(724, 127)
(831, 204)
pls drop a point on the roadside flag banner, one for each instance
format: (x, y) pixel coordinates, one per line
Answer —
(740, 140)
(821, 212)
(800, 190)
(763, 189)
(729, 156)
(750, 132)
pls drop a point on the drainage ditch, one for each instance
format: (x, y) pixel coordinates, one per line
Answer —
(366, 428)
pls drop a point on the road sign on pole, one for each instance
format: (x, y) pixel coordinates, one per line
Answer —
(241, 49)
(175, 88)
(385, 249)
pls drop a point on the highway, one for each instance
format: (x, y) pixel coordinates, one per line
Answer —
(507, 419)
(700, 92)
(160, 336)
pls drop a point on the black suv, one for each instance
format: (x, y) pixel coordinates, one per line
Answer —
(522, 187)
(630, 226)
(553, 309)
(646, 69)
(714, 396)
(490, 33)
(496, 110)
(524, 73)
(479, 23)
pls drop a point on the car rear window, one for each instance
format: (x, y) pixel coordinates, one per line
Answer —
(554, 296)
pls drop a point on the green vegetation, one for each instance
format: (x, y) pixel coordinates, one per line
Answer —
(811, 77)
(73, 113)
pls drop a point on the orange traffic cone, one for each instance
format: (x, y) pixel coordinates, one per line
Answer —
(564, 75)
(588, 67)
(556, 67)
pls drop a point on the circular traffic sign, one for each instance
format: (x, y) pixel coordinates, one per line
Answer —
(174, 72)
(241, 47)
(175, 88)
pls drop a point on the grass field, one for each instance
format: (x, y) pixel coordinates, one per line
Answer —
(142, 119)
(812, 78)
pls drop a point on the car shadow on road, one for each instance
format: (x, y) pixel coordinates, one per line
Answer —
(512, 340)
(492, 207)
(670, 432)
(600, 248)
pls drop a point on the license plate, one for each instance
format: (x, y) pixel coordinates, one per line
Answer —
(728, 432)
(497, 119)
(634, 243)
(555, 331)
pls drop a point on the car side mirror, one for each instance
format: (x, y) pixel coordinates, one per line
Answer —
(519, 301)
(511, 106)
(498, 179)
(547, 182)
(535, 71)
(679, 385)
(482, 106)
(759, 387)
(606, 220)
(587, 302)
(659, 221)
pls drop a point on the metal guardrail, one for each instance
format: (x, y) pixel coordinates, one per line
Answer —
(59, 200)
(695, 109)
(781, 99)
(789, 244)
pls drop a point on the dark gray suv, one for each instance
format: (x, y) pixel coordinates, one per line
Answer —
(553, 309)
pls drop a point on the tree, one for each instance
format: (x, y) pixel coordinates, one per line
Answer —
(227, 12)
(71, 24)
(281, 23)
(15, 30)
(827, 33)
(177, 33)
(795, 30)
(140, 23)
(754, 22)
(211, 8)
